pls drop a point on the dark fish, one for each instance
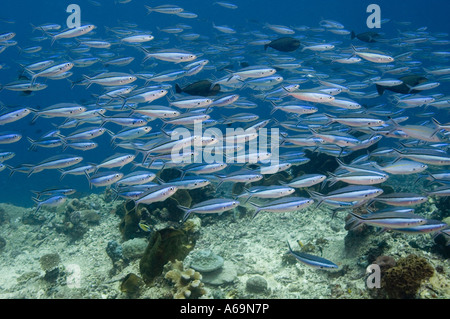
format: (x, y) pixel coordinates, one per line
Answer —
(409, 82)
(200, 88)
(369, 37)
(285, 44)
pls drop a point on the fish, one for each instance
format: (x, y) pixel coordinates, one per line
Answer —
(59, 110)
(402, 167)
(402, 199)
(227, 5)
(369, 37)
(284, 44)
(52, 71)
(313, 261)
(283, 205)
(405, 87)
(55, 162)
(373, 57)
(137, 178)
(187, 183)
(165, 9)
(281, 29)
(272, 191)
(211, 206)
(318, 47)
(50, 202)
(387, 220)
(348, 194)
(103, 179)
(72, 33)
(117, 160)
(52, 192)
(110, 79)
(357, 178)
(170, 55)
(194, 105)
(241, 176)
(224, 29)
(200, 88)
(144, 226)
(13, 116)
(431, 226)
(137, 38)
(306, 180)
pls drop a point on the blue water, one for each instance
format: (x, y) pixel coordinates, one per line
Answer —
(251, 16)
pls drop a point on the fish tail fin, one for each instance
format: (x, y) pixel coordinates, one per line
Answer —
(150, 9)
(352, 35)
(248, 198)
(393, 122)
(178, 89)
(12, 170)
(33, 27)
(380, 89)
(274, 107)
(186, 210)
(88, 178)
(219, 184)
(330, 119)
(341, 163)
(89, 81)
(63, 174)
(33, 145)
(9, 167)
(436, 122)
(422, 176)
(354, 221)
(65, 145)
(289, 247)
(258, 209)
(331, 180)
(31, 172)
(317, 196)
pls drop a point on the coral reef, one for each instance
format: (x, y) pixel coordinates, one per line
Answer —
(50, 265)
(385, 262)
(164, 245)
(129, 226)
(186, 281)
(403, 280)
(131, 285)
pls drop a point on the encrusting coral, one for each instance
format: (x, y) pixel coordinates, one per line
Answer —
(187, 282)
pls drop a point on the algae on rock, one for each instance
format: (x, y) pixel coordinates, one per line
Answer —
(165, 245)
